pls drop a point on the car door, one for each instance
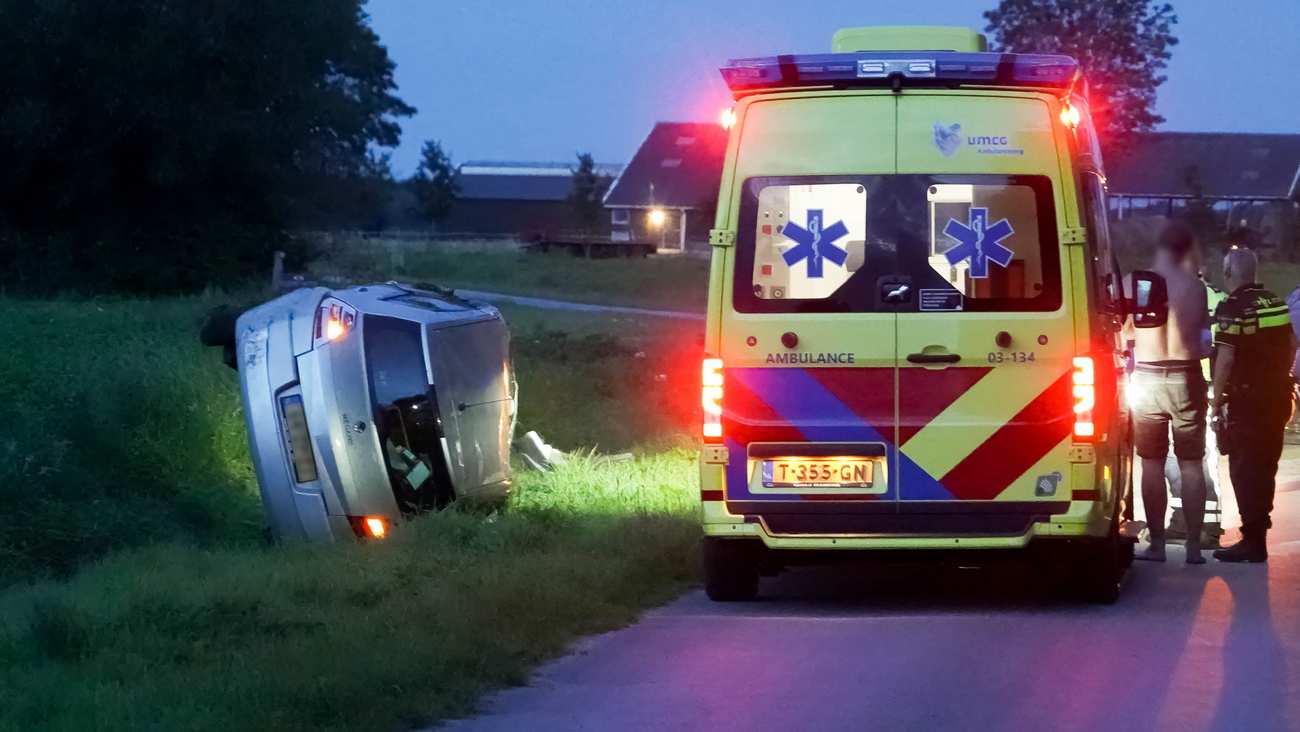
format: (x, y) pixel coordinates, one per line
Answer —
(473, 382)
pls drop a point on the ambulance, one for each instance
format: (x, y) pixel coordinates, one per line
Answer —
(913, 334)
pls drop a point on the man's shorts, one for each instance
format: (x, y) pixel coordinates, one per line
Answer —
(1164, 396)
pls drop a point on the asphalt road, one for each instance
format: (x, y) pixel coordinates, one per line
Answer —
(1215, 647)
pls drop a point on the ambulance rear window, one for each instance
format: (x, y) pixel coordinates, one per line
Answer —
(983, 243)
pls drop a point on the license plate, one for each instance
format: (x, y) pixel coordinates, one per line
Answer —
(817, 473)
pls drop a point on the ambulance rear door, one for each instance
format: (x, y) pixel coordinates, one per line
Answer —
(807, 341)
(986, 345)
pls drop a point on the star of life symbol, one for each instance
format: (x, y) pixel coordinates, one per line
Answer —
(979, 242)
(815, 243)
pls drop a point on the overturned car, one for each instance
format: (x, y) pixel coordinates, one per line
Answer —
(368, 404)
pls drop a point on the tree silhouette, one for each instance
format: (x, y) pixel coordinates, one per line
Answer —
(435, 182)
(1123, 46)
(587, 195)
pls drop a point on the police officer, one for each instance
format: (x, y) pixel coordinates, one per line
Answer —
(1253, 349)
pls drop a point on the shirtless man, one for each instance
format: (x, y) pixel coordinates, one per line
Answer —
(1171, 393)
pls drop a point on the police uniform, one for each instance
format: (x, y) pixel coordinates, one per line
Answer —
(1255, 323)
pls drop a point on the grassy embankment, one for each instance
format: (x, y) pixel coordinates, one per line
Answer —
(139, 597)
(670, 282)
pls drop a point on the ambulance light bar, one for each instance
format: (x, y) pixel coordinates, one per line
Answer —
(885, 68)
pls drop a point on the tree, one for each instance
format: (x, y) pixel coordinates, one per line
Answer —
(161, 145)
(587, 193)
(1123, 45)
(435, 182)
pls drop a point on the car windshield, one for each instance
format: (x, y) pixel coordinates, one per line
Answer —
(405, 410)
(962, 242)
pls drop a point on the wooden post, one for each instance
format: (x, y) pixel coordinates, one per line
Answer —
(277, 270)
(681, 238)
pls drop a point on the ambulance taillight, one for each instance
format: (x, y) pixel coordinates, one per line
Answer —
(711, 399)
(1084, 381)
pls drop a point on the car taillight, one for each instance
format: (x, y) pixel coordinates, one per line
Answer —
(711, 398)
(369, 527)
(1085, 398)
(334, 320)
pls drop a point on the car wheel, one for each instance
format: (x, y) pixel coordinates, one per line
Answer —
(731, 569)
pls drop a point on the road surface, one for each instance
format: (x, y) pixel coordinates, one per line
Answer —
(848, 648)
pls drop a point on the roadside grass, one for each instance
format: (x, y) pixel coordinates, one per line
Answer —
(377, 637)
(606, 382)
(139, 595)
(669, 282)
(116, 428)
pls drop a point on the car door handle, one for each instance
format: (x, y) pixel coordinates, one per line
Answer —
(933, 357)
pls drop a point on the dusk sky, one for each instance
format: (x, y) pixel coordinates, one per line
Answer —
(539, 80)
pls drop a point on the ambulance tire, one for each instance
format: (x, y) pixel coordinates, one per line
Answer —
(1101, 569)
(731, 569)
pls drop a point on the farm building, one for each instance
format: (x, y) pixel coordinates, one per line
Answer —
(528, 200)
(668, 193)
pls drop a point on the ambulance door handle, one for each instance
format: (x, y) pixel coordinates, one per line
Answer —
(896, 292)
(933, 357)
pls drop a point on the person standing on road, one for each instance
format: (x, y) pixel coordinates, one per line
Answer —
(1212, 529)
(1253, 397)
(1172, 394)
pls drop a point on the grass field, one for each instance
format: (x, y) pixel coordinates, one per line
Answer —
(140, 597)
(669, 282)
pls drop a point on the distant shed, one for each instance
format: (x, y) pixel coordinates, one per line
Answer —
(529, 200)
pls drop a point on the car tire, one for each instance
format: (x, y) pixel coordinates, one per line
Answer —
(731, 569)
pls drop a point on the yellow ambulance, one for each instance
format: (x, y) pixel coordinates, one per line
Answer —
(913, 337)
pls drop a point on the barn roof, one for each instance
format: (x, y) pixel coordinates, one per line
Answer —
(518, 181)
(682, 160)
(1226, 165)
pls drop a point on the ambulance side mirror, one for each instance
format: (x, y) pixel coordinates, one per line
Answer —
(1150, 303)
(857, 255)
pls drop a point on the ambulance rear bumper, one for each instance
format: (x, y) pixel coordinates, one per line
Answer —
(992, 525)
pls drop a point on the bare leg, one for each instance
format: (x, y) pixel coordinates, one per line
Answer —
(1154, 501)
(1193, 506)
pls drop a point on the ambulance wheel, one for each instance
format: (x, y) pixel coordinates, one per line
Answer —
(1101, 569)
(730, 569)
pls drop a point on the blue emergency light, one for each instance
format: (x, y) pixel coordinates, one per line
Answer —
(899, 68)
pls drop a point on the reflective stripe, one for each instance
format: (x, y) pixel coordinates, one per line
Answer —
(1272, 321)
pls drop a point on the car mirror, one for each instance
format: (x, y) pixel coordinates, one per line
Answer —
(857, 255)
(1150, 303)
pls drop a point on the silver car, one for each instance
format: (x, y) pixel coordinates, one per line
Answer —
(369, 404)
